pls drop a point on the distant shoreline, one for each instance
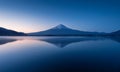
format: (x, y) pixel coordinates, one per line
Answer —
(70, 35)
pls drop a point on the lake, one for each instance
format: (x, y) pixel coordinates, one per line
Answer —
(59, 54)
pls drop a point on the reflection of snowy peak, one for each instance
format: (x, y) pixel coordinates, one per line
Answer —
(61, 30)
(64, 41)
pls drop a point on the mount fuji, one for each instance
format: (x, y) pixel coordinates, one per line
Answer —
(62, 30)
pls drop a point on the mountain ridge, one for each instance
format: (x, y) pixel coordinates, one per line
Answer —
(62, 30)
(8, 32)
(59, 30)
(115, 33)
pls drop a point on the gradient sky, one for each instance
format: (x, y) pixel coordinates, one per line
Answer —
(37, 15)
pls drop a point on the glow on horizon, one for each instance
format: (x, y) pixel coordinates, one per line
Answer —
(19, 23)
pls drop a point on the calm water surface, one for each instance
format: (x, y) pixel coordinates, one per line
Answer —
(59, 54)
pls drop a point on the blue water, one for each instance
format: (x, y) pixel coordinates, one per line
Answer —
(59, 54)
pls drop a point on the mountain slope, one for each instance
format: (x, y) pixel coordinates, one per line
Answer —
(7, 32)
(117, 33)
(62, 30)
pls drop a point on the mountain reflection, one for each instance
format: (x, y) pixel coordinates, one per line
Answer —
(64, 41)
(117, 39)
(60, 42)
(6, 40)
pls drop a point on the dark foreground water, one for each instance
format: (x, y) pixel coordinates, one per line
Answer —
(59, 54)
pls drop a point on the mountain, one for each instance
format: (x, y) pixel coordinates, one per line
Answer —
(7, 32)
(116, 33)
(61, 30)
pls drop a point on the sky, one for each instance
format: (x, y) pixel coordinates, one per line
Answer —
(38, 15)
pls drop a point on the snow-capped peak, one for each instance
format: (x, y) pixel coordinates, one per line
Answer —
(60, 26)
